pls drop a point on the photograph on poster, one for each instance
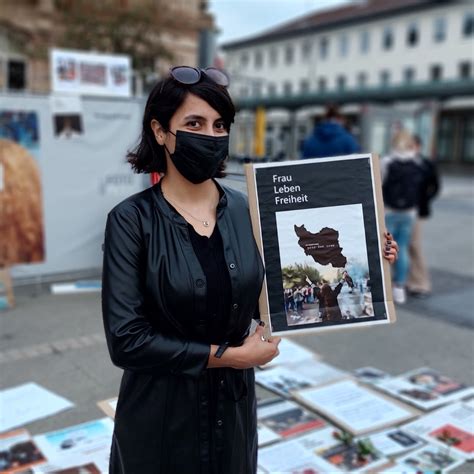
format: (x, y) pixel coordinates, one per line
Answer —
(22, 127)
(287, 418)
(427, 459)
(326, 248)
(92, 438)
(451, 426)
(371, 375)
(320, 244)
(18, 452)
(66, 69)
(395, 441)
(94, 73)
(425, 388)
(68, 126)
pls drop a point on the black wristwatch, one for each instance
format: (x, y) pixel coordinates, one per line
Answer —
(221, 349)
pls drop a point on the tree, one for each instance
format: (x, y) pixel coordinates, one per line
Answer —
(295, 275)
(131, 31)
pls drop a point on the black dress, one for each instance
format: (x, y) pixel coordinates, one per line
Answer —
(165, 298)
(210, 254)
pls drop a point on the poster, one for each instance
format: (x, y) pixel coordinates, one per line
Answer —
(285, 379)
(429, 459)
(319, 226)
(395, 441)
(21, 193)
(108, 406)
(291, 352)
(82, 72)
(18, 452)
(66, 110)
(450, 427)
(357, 409)
(425, 388)
(285, 418)
(28, 402)
(88, 441)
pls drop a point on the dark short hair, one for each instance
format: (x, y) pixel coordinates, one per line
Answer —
(165, 98)
(332, 112)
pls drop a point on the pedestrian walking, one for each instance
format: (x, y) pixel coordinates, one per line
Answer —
(402, 177)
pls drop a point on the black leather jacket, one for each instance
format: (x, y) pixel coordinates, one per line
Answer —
(173, 414)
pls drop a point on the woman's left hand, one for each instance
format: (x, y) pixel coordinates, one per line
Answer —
(390, 251)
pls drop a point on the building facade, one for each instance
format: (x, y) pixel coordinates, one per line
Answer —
(381, 60)
(29, 28)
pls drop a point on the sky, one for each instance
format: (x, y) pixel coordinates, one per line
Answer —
(237, 19)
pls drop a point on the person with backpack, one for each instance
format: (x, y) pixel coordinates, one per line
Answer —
(402, 181)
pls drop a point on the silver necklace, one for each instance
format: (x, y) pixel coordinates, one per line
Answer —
(205, 223)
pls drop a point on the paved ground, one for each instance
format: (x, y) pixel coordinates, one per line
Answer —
(57, 341)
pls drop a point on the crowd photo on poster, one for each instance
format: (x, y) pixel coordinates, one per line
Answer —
(324, 262)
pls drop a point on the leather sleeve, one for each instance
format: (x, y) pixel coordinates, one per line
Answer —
(133, 343)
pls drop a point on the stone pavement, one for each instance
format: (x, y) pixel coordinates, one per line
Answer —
(57, 340)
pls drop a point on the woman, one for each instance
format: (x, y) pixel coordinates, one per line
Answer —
(328, 303)
(402, 178)
(181, 280)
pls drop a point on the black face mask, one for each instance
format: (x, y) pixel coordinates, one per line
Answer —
(197, 157)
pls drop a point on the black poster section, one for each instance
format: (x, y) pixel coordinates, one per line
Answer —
(321, 184)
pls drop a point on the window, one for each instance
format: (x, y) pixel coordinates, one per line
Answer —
(287, 88)
(409, 75)
(289, 54)
(271, 89)
(322, 83)
(257, 89)
(343, 45)
(258, 59)
(16, 74)
(384, 78)
(341, 82)
(364, 42)
(436, 72)
(362, 79)
(468, 25)
(324, 48)
(439, 30)
(304, 86)
(306, 49)
(273, 57)
(244, 59)
(387, 38)
(412, 35)
(465, 70)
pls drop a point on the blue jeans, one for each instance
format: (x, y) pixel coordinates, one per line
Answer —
(400, 225)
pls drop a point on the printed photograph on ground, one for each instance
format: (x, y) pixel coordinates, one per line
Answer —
(324, 264)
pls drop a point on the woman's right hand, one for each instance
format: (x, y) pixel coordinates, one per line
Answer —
(255, 351)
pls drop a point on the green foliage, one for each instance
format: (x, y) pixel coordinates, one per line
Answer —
(295, 275)
(134, 32)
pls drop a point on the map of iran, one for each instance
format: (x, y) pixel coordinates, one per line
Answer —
(323, 246)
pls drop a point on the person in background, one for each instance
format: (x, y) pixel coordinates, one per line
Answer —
(402, 183)
(419, 283)
(329, 138)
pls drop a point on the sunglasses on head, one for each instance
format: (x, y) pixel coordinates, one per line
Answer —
(191, 75)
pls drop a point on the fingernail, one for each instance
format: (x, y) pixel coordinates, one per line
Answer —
(261, 323)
